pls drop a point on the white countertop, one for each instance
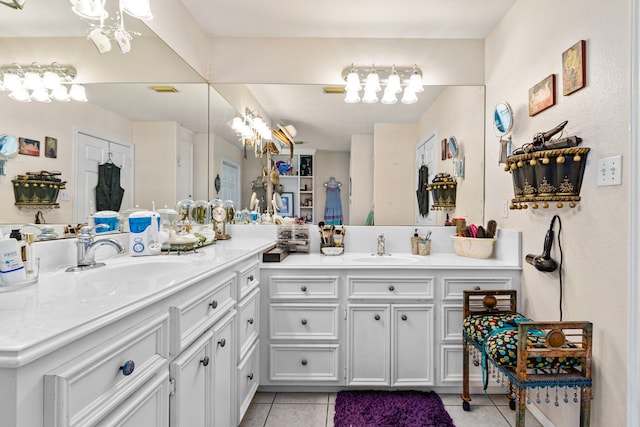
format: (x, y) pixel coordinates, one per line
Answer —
(33, 318)
(367, 261)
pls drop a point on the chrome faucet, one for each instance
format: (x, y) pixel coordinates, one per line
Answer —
(381, 242)
(86, 248)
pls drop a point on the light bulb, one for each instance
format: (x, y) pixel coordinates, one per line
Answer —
(12, 81)
(372, 82)
(77, 93)
(352, 97)
(89, 9)
(393, 83)
(41, 95)
(137, 8)
(415, 82)
(20, 94)
(353, 82)
(409, 96)
(61, 94)
(51, 80)
(370, 96)
(32, 80)
(389, 97)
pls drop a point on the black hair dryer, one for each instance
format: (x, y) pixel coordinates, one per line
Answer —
(544, 262)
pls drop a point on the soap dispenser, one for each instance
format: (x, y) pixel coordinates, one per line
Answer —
(414, 242)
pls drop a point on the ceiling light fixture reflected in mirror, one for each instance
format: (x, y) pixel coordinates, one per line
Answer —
(252, 129)
(43, 84)
(15, 4)
(102, 33)
(393, 78)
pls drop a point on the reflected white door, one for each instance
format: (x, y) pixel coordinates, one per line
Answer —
(92, 150)
(230, 182)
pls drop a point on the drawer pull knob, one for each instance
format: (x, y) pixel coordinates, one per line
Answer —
(250, 376)
(392, 288)
(205, 361)
(222, 342)
(304, 321)
(304, 362)
(250, 321)
(404, 317)
(477, 288)
(303, 289)
(213, 304)
(377, 317)
(250, 278)
(127, 367)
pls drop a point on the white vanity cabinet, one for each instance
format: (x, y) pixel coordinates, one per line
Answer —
(302, 328)
(390, 330)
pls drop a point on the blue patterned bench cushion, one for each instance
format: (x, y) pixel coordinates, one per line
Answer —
(478, 326)
(502, 348)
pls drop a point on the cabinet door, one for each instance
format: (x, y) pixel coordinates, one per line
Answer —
(224, 371)
(368, 344)
(412, 343)
(192, 373)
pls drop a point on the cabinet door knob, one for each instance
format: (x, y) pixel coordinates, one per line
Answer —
(477, 288)
(222, 342)
(303, 321)
(404, 317)
(304, 362)
(213, 304)
(250, 376)
(303, 289)
(250, 278)
(127, 367)
(392, 288)
(205, 361)
(250, 321)
(377, 317)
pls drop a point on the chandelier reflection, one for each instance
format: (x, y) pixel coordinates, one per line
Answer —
(252, 130)
(41, 83)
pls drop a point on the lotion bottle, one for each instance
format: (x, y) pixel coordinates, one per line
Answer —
(11, 266)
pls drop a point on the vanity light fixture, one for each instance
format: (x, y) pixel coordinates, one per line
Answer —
(102, 33)
(43, 84)
(252, 130)
(392, 78)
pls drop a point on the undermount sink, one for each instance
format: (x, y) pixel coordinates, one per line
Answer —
(157, 272)
(386, 259)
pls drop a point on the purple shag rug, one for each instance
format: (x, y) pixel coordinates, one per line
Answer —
(390, 409)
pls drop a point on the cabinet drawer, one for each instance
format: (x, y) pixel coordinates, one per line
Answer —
(248, 377)
(248, 277)
(146, 408)
(87, 388)
(248, 321)
(197, 312)
(304, 362)
(420, 288)
(452, 287)
(303, 287)
(303, 321)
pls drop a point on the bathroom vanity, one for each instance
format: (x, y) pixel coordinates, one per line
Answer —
(153, 341)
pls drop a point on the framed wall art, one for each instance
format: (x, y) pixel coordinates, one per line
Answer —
(542, 95)
(29, 147)
(50, 147)
(287, 204)
(574, 71)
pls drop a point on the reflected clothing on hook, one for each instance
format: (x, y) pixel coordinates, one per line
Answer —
(333, 205)
(109, 194)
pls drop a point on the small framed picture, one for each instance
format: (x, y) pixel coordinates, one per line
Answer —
(287, 204)
(50, 147)
(542, 95)
(29, 147)
(574, 72)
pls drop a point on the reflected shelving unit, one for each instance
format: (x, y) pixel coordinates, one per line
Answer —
(299, 180)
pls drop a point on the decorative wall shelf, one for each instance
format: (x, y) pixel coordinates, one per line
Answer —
(547, 176)
(443, 192)
(38, 189)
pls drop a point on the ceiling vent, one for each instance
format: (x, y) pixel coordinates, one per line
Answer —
(164, 89)
(338, 90)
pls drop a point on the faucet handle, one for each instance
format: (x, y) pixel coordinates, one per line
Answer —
(89, 230)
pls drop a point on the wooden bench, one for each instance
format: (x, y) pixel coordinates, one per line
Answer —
(535, 361)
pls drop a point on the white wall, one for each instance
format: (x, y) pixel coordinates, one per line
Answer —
(36, 120)
(523, 48)
(361, 171)
(459, 112)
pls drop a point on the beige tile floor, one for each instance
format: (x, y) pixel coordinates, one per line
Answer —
(317, 409)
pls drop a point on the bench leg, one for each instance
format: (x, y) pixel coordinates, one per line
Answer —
(585, 406)
(465, 378)
(522, 406)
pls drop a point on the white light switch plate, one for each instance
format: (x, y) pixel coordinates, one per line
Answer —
(64, 195)
(610, 171)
